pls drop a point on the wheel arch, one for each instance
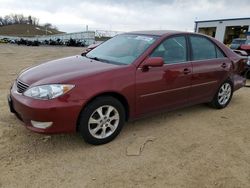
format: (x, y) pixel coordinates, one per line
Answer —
(116, 95)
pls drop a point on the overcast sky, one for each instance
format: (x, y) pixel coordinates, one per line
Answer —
(126, 15)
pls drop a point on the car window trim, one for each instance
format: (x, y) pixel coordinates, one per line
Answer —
(201, 60)
(183, 62)
(190, 61)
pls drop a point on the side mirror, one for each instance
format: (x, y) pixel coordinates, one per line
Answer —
(153, 62)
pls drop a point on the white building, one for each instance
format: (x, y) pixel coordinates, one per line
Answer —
(224, 30)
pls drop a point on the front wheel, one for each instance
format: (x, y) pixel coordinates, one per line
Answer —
(102, 120)
(223, 96)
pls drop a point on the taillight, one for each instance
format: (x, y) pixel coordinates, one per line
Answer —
(241, 65)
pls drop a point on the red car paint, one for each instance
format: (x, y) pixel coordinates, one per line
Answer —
(246, 48)
(142, 92)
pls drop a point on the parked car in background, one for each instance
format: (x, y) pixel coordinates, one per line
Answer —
(127, 77)
(22, 41)
(243, 45)
(4, 41)
(245, 55)
(238, 42)
(248, 68)
(76, 43)
(33, 43)
(246, 47)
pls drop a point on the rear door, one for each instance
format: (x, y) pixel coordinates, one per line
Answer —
(210, 68)
(167, 86)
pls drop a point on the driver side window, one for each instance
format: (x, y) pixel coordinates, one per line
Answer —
(172, 50)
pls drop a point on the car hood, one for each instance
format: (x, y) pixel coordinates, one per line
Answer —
(63, 70)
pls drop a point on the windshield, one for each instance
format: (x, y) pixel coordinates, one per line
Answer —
(247, 41)
(122, 49)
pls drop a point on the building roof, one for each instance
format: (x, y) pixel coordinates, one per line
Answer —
(229, 19)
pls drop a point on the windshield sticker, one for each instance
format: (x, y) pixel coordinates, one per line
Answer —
(147, 39)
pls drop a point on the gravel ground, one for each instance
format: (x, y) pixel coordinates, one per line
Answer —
(192, 147)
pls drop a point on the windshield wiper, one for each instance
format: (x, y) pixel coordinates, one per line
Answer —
(94, 58)
(104, 60)
(99, 59)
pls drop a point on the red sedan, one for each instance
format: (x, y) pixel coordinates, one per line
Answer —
(127, 77)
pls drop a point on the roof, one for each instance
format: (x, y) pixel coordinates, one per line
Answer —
(230, 19)
(156, 32)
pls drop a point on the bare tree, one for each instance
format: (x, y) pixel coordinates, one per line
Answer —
(21, 19)
(47, 25)
(7, 20)
(14, 18)
(35, 21)
(1, 21)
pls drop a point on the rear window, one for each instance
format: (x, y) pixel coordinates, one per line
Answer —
(202, 48)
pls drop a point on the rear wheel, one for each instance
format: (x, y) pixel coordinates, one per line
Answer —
(248, 74)
(102, 120)
(223, 95)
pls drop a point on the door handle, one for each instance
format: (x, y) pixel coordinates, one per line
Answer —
(186, 71)
(224, 65)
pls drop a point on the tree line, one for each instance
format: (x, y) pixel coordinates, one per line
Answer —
(21, 19)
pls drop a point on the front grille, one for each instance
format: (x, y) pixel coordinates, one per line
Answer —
(21, 87)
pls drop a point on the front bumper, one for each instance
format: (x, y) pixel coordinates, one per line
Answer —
(62, 112)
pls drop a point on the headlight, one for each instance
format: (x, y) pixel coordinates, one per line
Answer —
(46, 92)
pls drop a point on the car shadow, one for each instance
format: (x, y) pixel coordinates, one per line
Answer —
(35, 145)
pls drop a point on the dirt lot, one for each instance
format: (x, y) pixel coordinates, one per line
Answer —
(193, 147)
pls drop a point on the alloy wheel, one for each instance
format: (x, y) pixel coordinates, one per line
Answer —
(224, 94)
(103, 122)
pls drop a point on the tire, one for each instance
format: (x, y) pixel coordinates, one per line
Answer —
(101, 120)
(223, 96)
(248, 74)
